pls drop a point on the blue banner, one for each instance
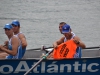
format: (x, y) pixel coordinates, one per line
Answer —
(84, 66)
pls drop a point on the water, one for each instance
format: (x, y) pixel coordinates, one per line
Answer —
(40, 19)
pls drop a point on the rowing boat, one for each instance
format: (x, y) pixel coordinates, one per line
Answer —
(89, 64)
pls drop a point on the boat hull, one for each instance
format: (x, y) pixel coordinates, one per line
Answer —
(82, 66)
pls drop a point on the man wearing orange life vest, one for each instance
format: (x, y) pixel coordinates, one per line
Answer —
(69, 37)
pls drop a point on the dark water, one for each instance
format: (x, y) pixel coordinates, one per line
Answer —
(40, 18)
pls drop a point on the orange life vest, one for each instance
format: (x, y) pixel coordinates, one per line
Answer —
(65, 50)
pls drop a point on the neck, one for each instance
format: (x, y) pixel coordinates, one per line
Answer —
(69, 37)
(16, 32)
(10, 36)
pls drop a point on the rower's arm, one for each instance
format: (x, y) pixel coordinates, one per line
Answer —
(78, 42)
(58, 42)
(23, 40)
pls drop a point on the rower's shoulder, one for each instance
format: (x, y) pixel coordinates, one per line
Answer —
(21, 35)
(62, 38)
(76, 36)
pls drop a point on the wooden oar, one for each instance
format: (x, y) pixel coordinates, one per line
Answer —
(44, 57)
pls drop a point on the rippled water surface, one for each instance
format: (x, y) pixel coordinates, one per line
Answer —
(40, 19)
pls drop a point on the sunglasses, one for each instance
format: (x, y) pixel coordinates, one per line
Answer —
(6, 29)
(14, 25)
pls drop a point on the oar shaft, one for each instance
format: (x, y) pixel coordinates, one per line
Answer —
(44, 57)
(34, 66)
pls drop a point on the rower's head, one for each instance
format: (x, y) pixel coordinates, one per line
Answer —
(66, 30)
(16, 26)
(8, 29)
(15, 23)
(60, 26)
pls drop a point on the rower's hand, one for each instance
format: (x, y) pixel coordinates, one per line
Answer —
(6, 43)
(49, 56)
(2, 47)
(55, 46)
(42, 55)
